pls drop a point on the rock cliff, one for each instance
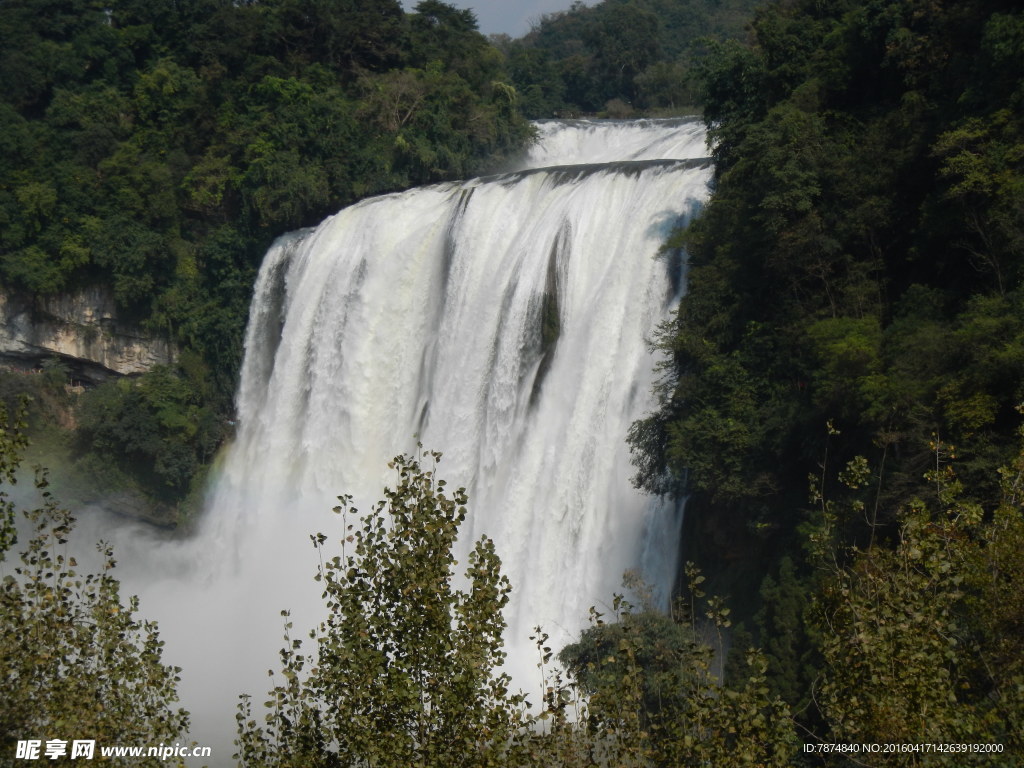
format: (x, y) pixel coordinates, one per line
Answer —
(80, 328)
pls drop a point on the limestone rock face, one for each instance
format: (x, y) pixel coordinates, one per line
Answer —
(80, 328)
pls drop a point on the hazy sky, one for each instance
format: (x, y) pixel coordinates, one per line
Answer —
(512, 17)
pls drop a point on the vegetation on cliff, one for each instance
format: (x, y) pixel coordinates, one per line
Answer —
(855, 294)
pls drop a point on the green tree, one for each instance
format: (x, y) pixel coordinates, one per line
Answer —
(624, 41)
(75, 661)
(783, 628)
(920, 639)
(651, 695)
(404, 668)
(634, 51)
(155, 429)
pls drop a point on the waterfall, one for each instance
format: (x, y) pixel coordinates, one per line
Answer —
(503, 321)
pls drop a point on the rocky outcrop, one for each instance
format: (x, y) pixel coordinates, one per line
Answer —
(82, 329)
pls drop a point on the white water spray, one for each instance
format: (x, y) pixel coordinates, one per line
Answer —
(502, 321)
(578, 142)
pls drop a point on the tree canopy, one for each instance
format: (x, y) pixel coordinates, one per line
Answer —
(405, 670)
(618, 55)
(76, 662)
(854, 290)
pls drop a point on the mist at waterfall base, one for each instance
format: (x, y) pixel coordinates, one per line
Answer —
(503, 321)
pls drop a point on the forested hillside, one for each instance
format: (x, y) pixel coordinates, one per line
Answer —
(855, 323)
(157, 148)
(618, 56)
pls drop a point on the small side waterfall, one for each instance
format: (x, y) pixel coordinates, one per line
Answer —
(503, 321)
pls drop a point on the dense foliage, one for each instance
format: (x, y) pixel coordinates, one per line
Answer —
(156, 148)
(855, 290)
(920, 638)
(159, 430)
(619, 55)
(653, 695)
(75, 660)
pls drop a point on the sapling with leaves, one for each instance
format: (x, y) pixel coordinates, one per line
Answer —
(75, 660)
(404, 671)
(918, 633)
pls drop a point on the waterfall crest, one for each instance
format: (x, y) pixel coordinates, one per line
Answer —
(575, 142)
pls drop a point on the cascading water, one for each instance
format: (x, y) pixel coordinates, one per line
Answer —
(502, 321)
(576, 142)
